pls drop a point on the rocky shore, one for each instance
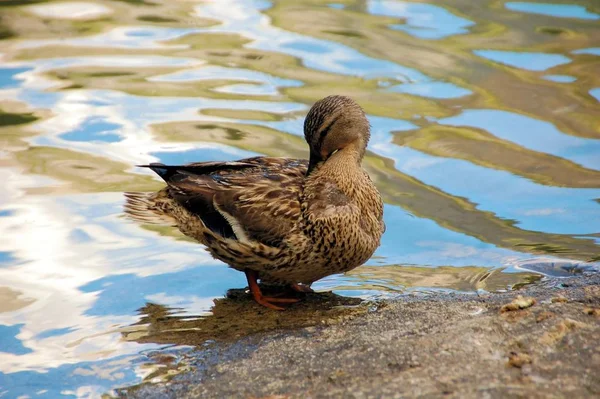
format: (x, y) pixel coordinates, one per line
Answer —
(540, 341)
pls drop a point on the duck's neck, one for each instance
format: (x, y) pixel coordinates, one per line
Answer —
(343, 168)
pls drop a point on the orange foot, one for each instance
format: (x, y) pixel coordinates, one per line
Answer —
(302, 288)
(266, 301)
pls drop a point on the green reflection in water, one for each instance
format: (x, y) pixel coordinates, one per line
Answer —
(9, 119)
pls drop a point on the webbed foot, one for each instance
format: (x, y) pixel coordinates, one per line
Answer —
(258, 296)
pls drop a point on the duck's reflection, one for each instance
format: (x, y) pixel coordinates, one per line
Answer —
(237, 316)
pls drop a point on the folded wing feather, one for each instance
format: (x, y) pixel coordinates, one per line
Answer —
(252, 199)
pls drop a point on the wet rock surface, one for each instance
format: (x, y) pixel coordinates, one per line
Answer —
(441, 345)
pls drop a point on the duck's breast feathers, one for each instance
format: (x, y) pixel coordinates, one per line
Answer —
(254, 199)
(326, 200)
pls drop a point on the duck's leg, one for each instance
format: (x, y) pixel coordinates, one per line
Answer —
(252, 278)
(304, 288)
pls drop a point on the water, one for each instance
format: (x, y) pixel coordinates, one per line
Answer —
(485, 147)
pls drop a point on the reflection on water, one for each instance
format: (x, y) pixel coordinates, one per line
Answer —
(424, 21)
(524, 60)
(554, 10)
(485, 142)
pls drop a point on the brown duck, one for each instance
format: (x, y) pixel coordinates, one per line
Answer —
(280, 220)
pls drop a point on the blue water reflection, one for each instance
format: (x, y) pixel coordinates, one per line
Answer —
(420, 241)
(590, 51)
(217, 72)
(532, 206)
(9, 343)
(262, 83)
(530, 133)
(8, 77)
(7, 258)
(81, 380)
(203, 154)
(553, 10)
(424, 21)
(560, 78)
(439, 90)
(524, 60)
(94, 129)
(55, 332)
(245, 18)
(249, 90)
(124, 294)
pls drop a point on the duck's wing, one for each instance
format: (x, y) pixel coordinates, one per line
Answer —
(254, 199)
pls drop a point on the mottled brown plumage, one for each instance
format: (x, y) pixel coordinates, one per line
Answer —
(281, 220)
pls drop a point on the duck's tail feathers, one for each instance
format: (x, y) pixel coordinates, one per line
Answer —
(148, 208)
(172, 172)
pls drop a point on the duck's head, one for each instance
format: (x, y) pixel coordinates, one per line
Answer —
(335, 123)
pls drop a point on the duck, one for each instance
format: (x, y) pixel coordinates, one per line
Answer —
(279, 220)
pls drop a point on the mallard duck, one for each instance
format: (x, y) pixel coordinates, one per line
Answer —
(280, 220)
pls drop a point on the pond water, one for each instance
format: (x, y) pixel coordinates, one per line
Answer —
(485, 146)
